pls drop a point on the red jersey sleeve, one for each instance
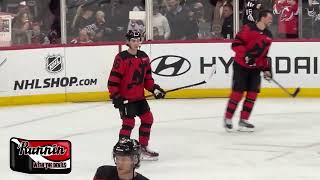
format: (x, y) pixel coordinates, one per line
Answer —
(149, 81)
(267, 63)
(115, 76)
(240, 41)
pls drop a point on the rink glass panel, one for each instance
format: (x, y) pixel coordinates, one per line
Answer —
(38, 22)
(33, 22)
(101, 21)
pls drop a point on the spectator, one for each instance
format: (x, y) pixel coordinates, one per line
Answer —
(161, 28)
(137, 25)
(55, 28)
(204, 29)
(227, 26)
(314, 12)
(38, 37)
(288, 18)
(21, 29)
(118, 15)
(24, 8)
(82, 38)
(252, 8)
(98, 30)
(178, 17)
(4, 26)
(207, 8)
(82, 17)
(217, 16)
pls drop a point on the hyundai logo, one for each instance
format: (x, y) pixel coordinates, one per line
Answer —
(170, 65)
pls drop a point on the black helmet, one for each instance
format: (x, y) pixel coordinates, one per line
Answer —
(128, 147)
(133, 34)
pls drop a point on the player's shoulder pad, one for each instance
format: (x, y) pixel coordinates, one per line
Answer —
(140, 177)
(104, 171)
(268, 33)
(250, 26)
(123, 55)
(141, 54)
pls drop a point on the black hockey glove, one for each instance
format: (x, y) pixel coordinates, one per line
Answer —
(117, 102)
(158, 92)
(249, 59)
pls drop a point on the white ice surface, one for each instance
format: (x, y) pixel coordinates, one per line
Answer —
(188, 134)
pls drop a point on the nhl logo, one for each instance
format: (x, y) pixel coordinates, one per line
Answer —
(54, 63)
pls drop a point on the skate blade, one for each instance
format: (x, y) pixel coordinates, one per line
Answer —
(244, 129)
(228, 130)
(148, 158)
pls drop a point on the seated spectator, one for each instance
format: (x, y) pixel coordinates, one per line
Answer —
(288, 18)
(227, 26)
(82, 38)
(38, 37)
(21, 29)
(161, 28)
(98, 30)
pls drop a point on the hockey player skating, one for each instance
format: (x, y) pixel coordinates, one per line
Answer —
(130, 75)
(251, 46)
(126, 155)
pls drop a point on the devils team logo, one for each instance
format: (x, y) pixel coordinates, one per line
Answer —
(287, 14)
(40, 156)
(54, 64)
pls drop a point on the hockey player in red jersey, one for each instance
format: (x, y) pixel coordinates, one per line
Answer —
(126, 155)
(251, 46)
(130, 75)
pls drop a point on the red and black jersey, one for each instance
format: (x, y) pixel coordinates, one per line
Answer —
(111, 173)
(130, 75)
(288, 17)
(254, 41)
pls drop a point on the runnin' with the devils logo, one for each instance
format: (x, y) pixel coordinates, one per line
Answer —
(24, 149)
(40, 156)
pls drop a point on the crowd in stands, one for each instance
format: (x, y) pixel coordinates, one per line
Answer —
(38, 21)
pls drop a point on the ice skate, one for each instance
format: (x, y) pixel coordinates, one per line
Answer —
(245, 126)
(148, 155)
(227, 124)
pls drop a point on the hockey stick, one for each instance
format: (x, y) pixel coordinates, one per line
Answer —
(285, 90)
(191, 85)
(3, 61)
(182, 87)
(213, 71)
